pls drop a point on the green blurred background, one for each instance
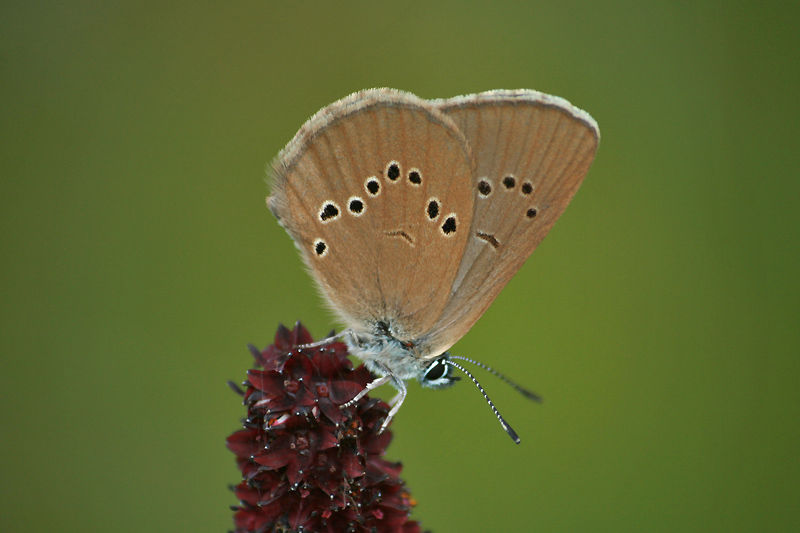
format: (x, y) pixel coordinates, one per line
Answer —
(659, 319)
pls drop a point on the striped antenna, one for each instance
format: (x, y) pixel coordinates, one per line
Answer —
(509, 430)
(525, 392)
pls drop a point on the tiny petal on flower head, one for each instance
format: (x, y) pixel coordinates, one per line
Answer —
(308, 464)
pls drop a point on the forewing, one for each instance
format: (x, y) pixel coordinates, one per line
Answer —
(531, 153)
(354, 188)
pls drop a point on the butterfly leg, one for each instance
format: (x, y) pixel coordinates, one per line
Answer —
(317, 344)
(396, 402)
(399, 397)
(371, 385)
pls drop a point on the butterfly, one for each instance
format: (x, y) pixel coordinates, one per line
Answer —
(413, 214)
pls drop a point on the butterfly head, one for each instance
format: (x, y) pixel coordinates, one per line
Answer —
(385, 354)
(438, 374)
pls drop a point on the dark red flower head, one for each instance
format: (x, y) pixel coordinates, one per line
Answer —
(308, 464)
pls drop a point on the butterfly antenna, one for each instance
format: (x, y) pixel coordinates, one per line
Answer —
(509, 429)
(525, 392)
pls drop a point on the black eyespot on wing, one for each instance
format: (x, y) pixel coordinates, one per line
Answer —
(414, 177)
(449, 225)
(527, 188)
(484, 188)
(531, 213)
(433, 209)
(320, 247)
(509, 182)
(373, 186)
(328, 212)
(393, 172)
(356, 206)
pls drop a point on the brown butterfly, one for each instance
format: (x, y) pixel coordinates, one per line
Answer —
(413, 214)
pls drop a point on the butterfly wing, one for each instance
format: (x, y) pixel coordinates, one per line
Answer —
(355, 189)
(531, 153)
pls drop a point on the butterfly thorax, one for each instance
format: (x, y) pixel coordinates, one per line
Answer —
(386, 355)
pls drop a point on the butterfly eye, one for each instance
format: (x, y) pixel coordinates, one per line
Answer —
(437, 375)
(436, 370)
